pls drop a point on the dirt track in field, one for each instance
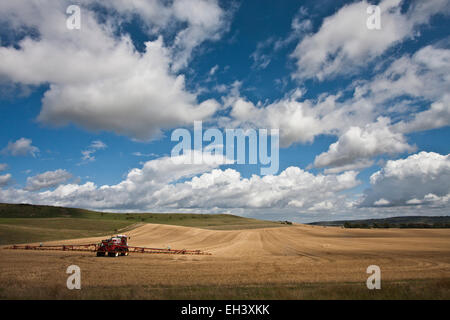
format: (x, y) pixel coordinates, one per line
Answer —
(285, 255)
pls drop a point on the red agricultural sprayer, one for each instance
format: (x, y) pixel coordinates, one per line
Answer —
(112, 247)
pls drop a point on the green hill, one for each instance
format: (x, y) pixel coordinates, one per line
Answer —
(24, 223)
(393, 222)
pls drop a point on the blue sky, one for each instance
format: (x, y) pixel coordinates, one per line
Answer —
(363, 114)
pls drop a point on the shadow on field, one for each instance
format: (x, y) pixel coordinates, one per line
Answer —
(395, 290)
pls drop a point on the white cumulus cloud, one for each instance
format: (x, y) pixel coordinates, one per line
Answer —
(343, 43)
(422, 178)
(88, 154)
(98, 80)
(358, 145)
(169, 184)
(47, 179)
(21, 147)
(5, 179)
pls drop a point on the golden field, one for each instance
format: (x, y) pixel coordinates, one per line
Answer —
(294, 262)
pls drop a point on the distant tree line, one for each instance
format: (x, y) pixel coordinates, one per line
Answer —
(387, 225)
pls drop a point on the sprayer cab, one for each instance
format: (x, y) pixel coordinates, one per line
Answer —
(114, 246)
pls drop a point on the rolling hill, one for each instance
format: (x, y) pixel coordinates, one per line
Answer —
(22, 223)
(393, 222)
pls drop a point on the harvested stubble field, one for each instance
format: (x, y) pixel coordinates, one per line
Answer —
(293, 262)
